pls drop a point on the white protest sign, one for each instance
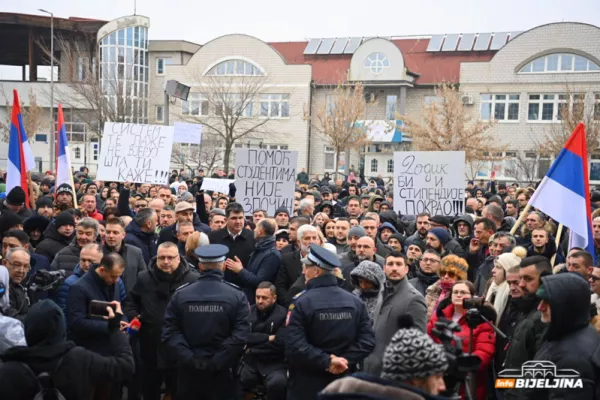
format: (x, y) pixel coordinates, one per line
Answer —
(265, 179)
(429, 181)
(135, 153)
(217, 185)
(187, 133)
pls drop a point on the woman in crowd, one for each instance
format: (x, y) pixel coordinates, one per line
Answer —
(104, 194)
(498, 292)
(282, 238)
(484, 338)
(319, 220)
(453, 269)
(329, 230)
(222, 202)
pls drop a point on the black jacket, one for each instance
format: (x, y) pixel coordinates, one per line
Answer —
(53, 242)
(423, 281)
(265, 355)
(169, 234)
(18, 302)
(145, 241)
(241, 247)
(148, 299)
(134, 264)
(80, 370)
(570, 342)
(289, 271)
(67, 258)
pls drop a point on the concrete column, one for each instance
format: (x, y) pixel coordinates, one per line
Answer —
(32, 58)
(402, 101)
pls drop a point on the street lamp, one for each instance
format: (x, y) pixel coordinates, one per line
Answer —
(52, 139)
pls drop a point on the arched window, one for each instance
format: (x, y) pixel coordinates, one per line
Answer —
(235, 68)
(560, 62)
(377, 62)
(374, 165)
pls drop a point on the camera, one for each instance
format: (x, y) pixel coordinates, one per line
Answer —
(44, 280)
(474, 302)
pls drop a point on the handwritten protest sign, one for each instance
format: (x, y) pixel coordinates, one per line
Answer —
(265, 179)
(187, 133)
(216, 185)
(135, 153)
(429, 181)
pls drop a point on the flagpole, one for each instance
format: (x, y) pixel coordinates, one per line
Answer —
(557, 242)
(522, 217)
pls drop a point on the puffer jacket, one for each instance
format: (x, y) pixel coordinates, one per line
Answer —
(53, 242)
(145, 241)
(67, 258)
(373, 273)
(570, 342)
(263, 265)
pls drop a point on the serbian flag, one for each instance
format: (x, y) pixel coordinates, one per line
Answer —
(20, 157)
(564, 193)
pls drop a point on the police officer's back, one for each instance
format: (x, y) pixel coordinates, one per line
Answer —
(206, 327)
(328, 329)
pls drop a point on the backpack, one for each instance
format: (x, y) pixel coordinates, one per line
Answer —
(46, 389)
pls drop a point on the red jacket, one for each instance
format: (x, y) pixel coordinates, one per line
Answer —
(484, 346)
(96, 215)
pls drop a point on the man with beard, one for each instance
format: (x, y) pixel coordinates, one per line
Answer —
(64, 198)
(500, 242)
(282, 216)
(295, 225)
(342, 226)
(542, 246)
(428, 271)
(437, 239)
(463, 226)
(43, 207)
(264, 358)
(85, 233)
(398, 298)
(512, 209)
(57, 235)
(147, 302)
(422, 227)
(478, 249)
(528, 332)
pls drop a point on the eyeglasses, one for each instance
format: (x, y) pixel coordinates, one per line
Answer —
(19, 267)
(167, 258)
(450, 274)
(430, 260)
(594, 278)
(461, 292)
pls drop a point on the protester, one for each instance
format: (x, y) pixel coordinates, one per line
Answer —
(428, 271)
(368, 280)
(452, 269)
(58, 235)
(141, 232)
(68, 257)
(17, 262)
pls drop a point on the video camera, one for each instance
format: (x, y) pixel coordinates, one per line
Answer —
(474, 302)
(44, 280)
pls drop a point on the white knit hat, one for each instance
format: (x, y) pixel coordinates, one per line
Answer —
(507, 261)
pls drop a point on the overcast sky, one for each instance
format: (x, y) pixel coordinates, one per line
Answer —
(271, 20)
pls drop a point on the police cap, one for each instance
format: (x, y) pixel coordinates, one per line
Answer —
(212, 253)
(322, 258)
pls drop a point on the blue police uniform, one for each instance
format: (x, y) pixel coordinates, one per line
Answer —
(322, 321)
(206, 327)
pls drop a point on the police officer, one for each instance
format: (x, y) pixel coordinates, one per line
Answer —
(328, 329)
(206, 327)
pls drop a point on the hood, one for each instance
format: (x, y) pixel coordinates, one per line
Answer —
(52, 233)
(463, 218)
(569, 299)
(265, 243)
(387, 225)
(373, 200)
(388, 216)
(324, 204)
(370, 271)
(46, 337)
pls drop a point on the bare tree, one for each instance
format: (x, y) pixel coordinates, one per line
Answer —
(447, 125)
(573, 111)
(524, 166)
(337, 120)
(31, 114)
(207, 156)
(226, 109)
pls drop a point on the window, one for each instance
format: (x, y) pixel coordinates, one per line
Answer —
(376, 63)
(329, 158)
(390, 107)
(330, 98)
(235, 68)
(160, 114)
(550, 107)
(83, 66)
(41, 137)
(501, 107)
(275, 105)
(95, 151)
(234, 106)
(374, 163)
(553, 63)
(390, 166)
(160, 66)
(196, 104)
(597, 106)
(433, 99)
(77, 153)
(275, 146)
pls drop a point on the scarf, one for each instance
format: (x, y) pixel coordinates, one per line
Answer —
(500, 293)
(446, 287)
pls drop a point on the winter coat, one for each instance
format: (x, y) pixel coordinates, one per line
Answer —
(483, 275)
(351, 261)
(134, 264)
(18, 302)
(484, 340)
(242, 247)
(263, 266)
(549, 251)
(289, 271)
(381, 249)
(394, 301)
(61, 295)
(86, 331)
(266, 355)
(80, 371)
(169, 234)
(67, 258)
(475, 260)
(454, 247)
(148, 299)
(423, 281)
(373, 273)
(145, 241)
(53, 242)
(415, 239)
(24, 212)
(570, 341)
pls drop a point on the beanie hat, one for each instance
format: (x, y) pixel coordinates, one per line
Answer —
(16, 196)
(595, 196)
(442, 235)
(64, 218)
(440, 220)
(282, 210)
(508, 260)
(64, 188)
(43, 201)
(412, 354)
(186, 196)
(357, 231)
(282, 234)
(35, 222)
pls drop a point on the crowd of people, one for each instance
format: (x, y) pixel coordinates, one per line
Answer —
(339, 298)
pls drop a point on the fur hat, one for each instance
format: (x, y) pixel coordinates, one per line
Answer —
(455, 264)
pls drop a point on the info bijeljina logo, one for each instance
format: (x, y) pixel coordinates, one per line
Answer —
(538, 375)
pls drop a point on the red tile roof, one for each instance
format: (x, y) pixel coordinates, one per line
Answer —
(432, 67)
